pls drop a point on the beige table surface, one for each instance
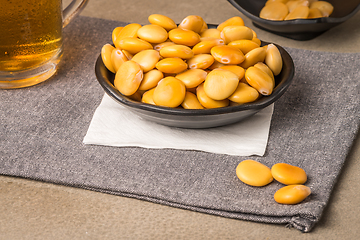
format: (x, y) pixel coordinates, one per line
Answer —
(36, 210)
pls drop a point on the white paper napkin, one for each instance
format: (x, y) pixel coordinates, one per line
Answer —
(115, 125)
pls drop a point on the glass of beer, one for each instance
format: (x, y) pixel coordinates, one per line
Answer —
(31, 39)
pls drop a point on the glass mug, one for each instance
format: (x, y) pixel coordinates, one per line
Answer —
(31, 39)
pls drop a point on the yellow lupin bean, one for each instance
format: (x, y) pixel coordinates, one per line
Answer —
(191, 101)
(127, 54)
(160, 46)
(211, 32)
(254, 173)
(118, 58)
(171, 65)
(184, 37)
(115, 32)
(256, 40)
(176, 50)
(193, 22)
(220, 84)
(170, 92)
(208, 102)
(254, 56)
(136, 96)
(206, 44)
(244, 94)
(147, 97)
(259, 80)
(204, 27)
(233, 33)
(106, 52)
(129, 30)
(244, 45)
(128, 78)
(288, 174)
(234, 21)
(292, 194)
(151, 79)
(152, 33)
(134, 45)
(227, 54)
(147, 59)
(162, 21)
(276, 11)
(314, 13)
(215, 65)
(325, 8)
(239, 71)
(201, 61)
(192, 77)
(273, 59)
(300, 12)
(266, 69)
(293, 4)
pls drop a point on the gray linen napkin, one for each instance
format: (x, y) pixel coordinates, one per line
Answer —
(313, 126)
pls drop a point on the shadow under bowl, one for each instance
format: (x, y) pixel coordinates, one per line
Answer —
(298, 29)
(197, 118)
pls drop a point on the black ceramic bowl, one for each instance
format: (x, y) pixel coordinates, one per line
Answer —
(299, 29)
(191, 118)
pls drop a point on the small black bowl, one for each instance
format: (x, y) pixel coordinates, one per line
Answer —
(194, 118)
(298, 29)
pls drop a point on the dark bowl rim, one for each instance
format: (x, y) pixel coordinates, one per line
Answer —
(263, 102)
(295, 21)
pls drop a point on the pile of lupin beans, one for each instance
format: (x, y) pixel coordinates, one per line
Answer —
(191, 66)
(257, 174)
(279, 10)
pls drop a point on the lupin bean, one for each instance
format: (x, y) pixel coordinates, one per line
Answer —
(151, 79)
(227, 54)
(273, 59)
(192, 22)
(134, 45)
(292, 194)
(233, 33)
(170, 92)
(192, 77)
(208, 102)
(147, 97)
(171, 65)
(176, 50)
(152, 33)
(162, 21)
(147, 59)
(202, 61)
(234, 21)
(128, 78)
(254, 173)
(244, 94)
(259, 80)
(184, 36)
(288, 174)
(106, 52)
(205, 45)
(276, 11)
(191, 102)
(254, 56)
(118, 58)
(220, 84)
(244, 45)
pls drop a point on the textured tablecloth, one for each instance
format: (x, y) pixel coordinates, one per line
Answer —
(313, 127)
